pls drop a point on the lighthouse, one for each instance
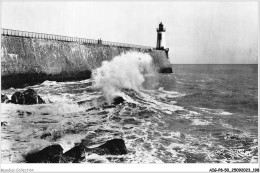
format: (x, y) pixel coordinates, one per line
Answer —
(161, 37)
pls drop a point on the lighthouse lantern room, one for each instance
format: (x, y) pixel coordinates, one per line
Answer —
(161, 37)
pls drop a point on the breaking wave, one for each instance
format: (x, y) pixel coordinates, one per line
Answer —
(125, 71)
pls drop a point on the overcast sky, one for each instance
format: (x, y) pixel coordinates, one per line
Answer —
(196, 32)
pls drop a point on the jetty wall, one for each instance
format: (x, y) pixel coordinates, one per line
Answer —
(29, 58)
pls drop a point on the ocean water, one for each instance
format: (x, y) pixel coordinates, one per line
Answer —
(197, 114)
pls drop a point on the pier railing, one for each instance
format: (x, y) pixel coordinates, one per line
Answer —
(10, 32)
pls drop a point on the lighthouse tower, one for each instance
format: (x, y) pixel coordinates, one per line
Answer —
(161, 37)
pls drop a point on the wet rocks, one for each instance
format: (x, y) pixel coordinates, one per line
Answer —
(4, 98)
(54, 153)
(54, 136)
(27, 97)
(111, 147)
(4, 123)
(22, 113)
(17, 98)
(45, 135)
(31, 97)
(50, 154)
(74, 155)
(166, 70)
(118, 100)
(102, 103)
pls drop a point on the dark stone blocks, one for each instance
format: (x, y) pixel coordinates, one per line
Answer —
(166, 70)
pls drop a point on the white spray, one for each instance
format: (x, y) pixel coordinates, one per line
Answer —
(124, 71)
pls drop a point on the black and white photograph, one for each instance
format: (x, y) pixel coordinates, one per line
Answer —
(130, 83)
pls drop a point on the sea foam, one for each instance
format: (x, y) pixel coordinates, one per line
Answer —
(125, 71)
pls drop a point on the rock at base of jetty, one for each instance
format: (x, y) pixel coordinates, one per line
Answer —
(166, 70)
(27, 97)
(50, 154)
(4, 98)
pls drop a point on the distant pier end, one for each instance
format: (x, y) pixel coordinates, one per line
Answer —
(29, 58)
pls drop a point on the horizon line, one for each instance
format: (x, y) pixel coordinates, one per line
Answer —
(213, 64)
